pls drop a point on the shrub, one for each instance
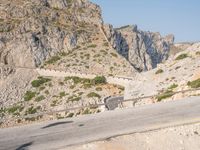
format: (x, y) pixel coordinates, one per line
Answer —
(13, 109)
(173, 86)
(93, 94)
(62, 94)
(99, 89)
(86, 111)
(46, 92)
(40, 81)
(80, 93)
(74, 98)
(70, 115)
(194, 84)
(63, 54)
(61, 83)
(53, 59)
(104, 52)
(72, 86)
(92, 46)
(114, 55)
(54, 103)
(39, 98)
(29, 95)
(42, 88)
(87, 85)
(106, 44)
(198, 53)
(159, 71)
(99, 80)
(165, 95)
(181, 56)
(87, 67)
(75, 79)
(121, 88)
(31, 110)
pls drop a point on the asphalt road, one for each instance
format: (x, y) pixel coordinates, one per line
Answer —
(55, 135)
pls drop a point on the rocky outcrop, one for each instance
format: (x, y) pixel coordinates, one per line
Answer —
(33, 30)
(144, 50)
(5, 71)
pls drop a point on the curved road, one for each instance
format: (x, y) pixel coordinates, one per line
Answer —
(55, 135)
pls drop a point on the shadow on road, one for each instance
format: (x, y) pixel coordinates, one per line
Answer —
(56, 124)
(24, 146)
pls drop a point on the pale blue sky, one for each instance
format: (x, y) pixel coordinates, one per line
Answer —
(180, 17)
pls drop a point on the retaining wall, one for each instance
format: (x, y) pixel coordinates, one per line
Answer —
(58, 73)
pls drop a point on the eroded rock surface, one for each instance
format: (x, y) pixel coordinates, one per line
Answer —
(144, 50)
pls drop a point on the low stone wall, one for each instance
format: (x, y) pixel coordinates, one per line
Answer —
(58, 73)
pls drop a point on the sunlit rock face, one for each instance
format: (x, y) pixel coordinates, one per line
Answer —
(33, 30)
(144, 50)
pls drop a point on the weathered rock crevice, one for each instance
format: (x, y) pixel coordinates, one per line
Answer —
(144, 50)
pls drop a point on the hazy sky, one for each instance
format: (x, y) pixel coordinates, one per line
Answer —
(180, 17)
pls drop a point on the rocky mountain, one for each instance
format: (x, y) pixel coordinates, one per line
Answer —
(144, 50)
(31, 31)
(70, 36)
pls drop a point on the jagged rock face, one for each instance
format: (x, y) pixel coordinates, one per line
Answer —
(144, 50)
(33, 30)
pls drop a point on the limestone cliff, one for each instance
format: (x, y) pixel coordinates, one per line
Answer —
(33, 30)
(144, 50)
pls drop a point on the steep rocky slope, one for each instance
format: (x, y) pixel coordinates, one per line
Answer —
(173, 75)
(32, 31)
(144, 50)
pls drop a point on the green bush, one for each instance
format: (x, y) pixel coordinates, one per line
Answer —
(40, 81)
(92, 46)
(29, 95)
(76, 80)
(13, 109)
(93, 94)
(159, 71)
(62, 94)
(32, 110)
(39, 98)
(194, 84)
(165, 95)
(86, 111)
(181, 56)
(53, 59)
(173, 86)
(99, 80)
